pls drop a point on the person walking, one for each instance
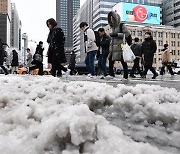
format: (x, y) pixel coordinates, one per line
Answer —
(90, 48)
(103, 51)
(2, 56)
(38, 59)
(149, 47)
(14, 62)
(166, 60)
(56, 53)
(119, 31)
(29, 59)
(136, 48)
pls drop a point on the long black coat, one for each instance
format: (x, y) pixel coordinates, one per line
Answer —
(56, 42)
(14, 59)
(39, 50)
(2, 53)
(149, 47)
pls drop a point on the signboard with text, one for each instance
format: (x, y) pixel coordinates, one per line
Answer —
(130, 12)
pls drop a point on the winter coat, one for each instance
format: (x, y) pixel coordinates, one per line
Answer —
(56, 42)
(39, 50)
(115, 45)
(14, 58)
(2, 53)
(149, 47)
(166, 55)
(136, 48)
(89, 40)
(104, 45)
(29, 59)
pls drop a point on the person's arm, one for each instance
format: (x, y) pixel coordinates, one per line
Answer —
(105, 42)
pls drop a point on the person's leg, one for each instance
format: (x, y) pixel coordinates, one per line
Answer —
(5, 70)
(133, 68)
(138, 67)
(170, 70)
(53, 68)
(111, 67)
(155, 74)
(91, 62)
(40, 66)
(87, 62)
(99, 64)
(125, 67)
(162, 70)
(103, 64)
(146, 68)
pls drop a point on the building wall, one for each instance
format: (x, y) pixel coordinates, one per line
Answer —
(15, 28)
(65, 11)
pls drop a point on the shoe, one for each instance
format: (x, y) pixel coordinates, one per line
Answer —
(109, 77)
(102, 77)
(89, 77)
(154, 76)
(67, 73)
(132, 76)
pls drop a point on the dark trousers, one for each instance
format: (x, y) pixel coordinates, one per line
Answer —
(149, 67)
(102, 64)
(168, 67)
(4, 69)
(111, 67)
(136, 66)
(39, 66)
(89, 61)
(57, 68)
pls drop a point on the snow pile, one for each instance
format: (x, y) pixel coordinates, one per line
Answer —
(43, 115)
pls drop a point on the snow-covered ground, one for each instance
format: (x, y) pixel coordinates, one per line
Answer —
(45, 115)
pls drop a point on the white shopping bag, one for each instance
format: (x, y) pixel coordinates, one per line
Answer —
(128, 54)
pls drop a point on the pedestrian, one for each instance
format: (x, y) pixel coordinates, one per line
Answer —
(38, 59)
(14, 62)
(90, 48)
(2, 56)
(103, 51)
(72, 63)
(29, 59)
(166, 60)
(149, 47)
(119, 31)
(56, 53)
(136, 48)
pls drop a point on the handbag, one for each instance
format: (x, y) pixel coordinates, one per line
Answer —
(38, 58)
(128, 54)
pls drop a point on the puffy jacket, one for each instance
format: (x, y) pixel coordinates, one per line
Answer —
(166, 55)
(136, 48)
(115, 45)
(89, 40)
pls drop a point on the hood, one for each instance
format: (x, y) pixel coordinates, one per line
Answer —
(116, 17)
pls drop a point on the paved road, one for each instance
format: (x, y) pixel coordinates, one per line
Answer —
(164, 81)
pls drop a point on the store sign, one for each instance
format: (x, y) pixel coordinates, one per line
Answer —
(138, 13)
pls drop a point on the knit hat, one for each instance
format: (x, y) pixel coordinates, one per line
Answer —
(40, 42)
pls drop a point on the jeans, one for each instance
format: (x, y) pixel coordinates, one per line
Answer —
(89, 61)
(102, 64)
(136, 66)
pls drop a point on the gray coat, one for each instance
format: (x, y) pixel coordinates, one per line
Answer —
(115, 45)
(29, 59)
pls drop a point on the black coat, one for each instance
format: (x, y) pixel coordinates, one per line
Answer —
(56, 42)
(14, 59)
(104, 43)
(2, 53)
(72, 61)
(136, 48)
(39, 50)
(149, 47)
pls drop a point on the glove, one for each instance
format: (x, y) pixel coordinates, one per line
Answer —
(113, 35)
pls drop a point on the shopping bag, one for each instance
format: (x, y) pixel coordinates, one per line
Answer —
(128, 54)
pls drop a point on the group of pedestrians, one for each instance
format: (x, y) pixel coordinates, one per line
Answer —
(111, 48)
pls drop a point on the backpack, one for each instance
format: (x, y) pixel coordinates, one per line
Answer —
(97, 38)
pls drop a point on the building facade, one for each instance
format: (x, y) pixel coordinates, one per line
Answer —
(95, 12)
(15, 28)
(65, 11)
(5, 18)
(171, 12)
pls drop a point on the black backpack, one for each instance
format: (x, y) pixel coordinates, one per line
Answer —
(97, 38)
